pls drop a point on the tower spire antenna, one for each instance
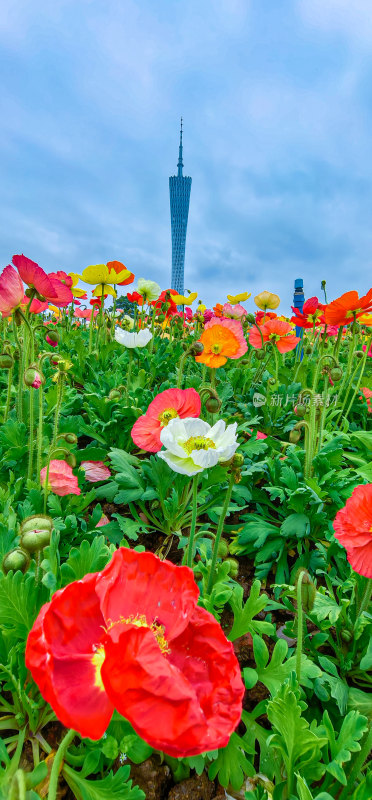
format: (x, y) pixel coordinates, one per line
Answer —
(180, 153)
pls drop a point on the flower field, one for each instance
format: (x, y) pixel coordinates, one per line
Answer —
(186, 542)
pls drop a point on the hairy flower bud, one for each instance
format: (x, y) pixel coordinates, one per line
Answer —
(6, 361)
(308, 350)
(35, 540)
(237, 460)
(260, 355)
(336, 374)
(308, 590)
(52, 338)
(196, 348)
(32, 377)
(114, 395)
(36, 522)
(70, 438)
(251, 318)
(358, 353)
(17, 559)
(300, 410)
(294, 436)
(223, 548)
(271, 381)
(233, 567)
(213, 404)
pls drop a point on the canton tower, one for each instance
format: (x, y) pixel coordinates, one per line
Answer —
(179, 192)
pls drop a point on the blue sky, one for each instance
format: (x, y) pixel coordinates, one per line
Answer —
(277, 104)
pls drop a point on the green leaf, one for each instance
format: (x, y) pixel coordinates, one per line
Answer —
(295, 526)
(325, 606)
(112, 787)
(366, 662)
(19, 603)
(352, 730)
(243, 614)
(231, 764)
(89, 557)
(364, 790)
(273, 674)
(299, 746)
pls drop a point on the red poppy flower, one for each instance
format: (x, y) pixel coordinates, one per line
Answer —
(166, 406)
(96, 301)
(262, 316)
(166, 297)
(343, 310)
(275, 331)
(353, 529)
(135, 297)
(218, 310)
(311, 314)
(133, 638)
(35, 277)
(62, 276)
(118, 267)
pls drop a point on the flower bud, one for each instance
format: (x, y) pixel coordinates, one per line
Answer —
(33, 378)
(323, 285)
(336, 374)
(308, 590)
(196, 348)
(114, 395)
(237, 460)
(70, 438)
(308, 350)
(260, 355)
(300, 410)
(40, 522)
(251, 318)
(346, 635)
(223, 548)
(6, 361)
(213, 404)
(233, 567)
(17, 559)
(35, 540)
(358, 353)
(52, 338)
(294, 436)
(271, 381)
(71, 460)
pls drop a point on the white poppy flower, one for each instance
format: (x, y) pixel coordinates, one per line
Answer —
(148, 289)
(132, 339)
(192, 445)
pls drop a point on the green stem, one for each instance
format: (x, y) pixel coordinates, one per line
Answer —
(300, 629)
(365, 599)
(219, 533)
(129, 374)
(338, 342)
(57, 763)
(61, 381)
(180, 370)
(39, 445)
(324, 412)
(46, 486)
(363, 364)
(91, 326)
(20, 373)
(190, 549)
(8, 394)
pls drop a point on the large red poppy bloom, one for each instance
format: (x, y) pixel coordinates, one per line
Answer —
(311, 314)
(166, 406)
(276, 331)
(135, 297)
(133, 638)
(343, 310)
(35, 277)
(353, 529)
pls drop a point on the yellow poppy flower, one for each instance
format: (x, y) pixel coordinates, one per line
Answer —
(107, 289)
(182, 300)
(266, 300)
(238, 298)
(56, 311)
(75, 280)
(101, 274)
(201, 308)
(365, 319)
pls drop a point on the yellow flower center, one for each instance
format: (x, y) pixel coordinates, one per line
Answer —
(274, 337)
(216, 348)
(140, 621)
(198, 443)
(167, 415)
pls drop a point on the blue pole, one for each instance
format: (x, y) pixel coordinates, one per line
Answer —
(298, 302)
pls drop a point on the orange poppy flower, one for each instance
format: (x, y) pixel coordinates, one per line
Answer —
(353, 525)
(344, 309)
(218, 310)
(277, 332)
(367, 394)
(264, 316)
(222, 339)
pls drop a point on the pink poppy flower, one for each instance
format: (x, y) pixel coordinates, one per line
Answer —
(103, 521)
(11, 290)
(95, 471)
(233, 312)
(52, 342)
(63, 295)
(62, 276)
(61, 479)
(35, 277)
(369, 352)
(165, 406)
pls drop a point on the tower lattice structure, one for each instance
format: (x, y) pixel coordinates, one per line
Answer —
(179, 193)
